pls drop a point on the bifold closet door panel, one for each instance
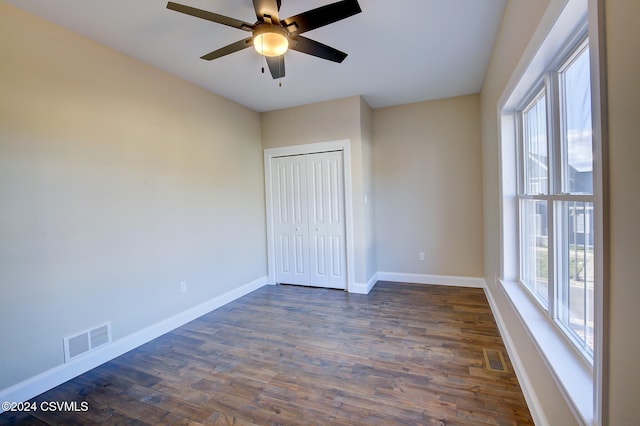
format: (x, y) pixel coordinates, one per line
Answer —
(325, 183)
(290, 216)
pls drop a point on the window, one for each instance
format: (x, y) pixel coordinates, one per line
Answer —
(534, 231)
(552, 203)
(555, 197)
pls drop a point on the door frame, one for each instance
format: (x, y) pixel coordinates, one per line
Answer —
(312, 148)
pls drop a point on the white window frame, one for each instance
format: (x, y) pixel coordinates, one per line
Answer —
(551, 88)
(583, 386)
(522, 193)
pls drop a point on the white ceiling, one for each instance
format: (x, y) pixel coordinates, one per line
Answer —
(399, 52)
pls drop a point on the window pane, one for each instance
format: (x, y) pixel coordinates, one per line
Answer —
(575, 287)
(535, 148)
(535, 248)
(578, 161)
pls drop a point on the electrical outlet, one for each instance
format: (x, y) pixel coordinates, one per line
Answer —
(421, 256)
(183, 287)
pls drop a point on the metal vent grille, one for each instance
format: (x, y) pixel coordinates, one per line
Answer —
(86, 341)
(494, 360)
(78, 345)
(99, 336)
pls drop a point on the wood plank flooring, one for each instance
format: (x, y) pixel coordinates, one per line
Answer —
(284, 355)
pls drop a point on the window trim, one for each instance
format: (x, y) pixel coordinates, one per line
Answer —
(562, 20)
(550, 86)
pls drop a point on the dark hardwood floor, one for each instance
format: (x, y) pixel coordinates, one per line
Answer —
(403, 354)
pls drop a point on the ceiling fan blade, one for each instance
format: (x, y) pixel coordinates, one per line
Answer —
(315, 48)
(321, 16)
(210, 16)
(231, 48)
(276, 66)
(267, 7)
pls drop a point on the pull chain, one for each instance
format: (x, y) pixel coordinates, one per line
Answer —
(262, 58)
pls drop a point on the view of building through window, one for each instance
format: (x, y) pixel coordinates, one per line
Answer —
(575, 296)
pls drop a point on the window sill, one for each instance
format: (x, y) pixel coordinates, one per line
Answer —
(569, 369)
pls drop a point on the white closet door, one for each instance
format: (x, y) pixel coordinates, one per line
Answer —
(290, 216)
(308, 218)
(325, 192)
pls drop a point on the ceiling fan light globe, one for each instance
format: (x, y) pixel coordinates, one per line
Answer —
(270, 43)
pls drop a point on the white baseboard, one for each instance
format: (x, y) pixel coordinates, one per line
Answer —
(539, 418)
(402, 277)
(364, 288)
(53, 377)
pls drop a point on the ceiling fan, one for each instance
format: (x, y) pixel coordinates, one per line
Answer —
(272, 36)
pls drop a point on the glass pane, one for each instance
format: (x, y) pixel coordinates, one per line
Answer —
(535, 148)
(575, 298)
(535, 248)
(578, 161)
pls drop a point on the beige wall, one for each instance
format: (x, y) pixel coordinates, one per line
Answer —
(366, 132)
(622, 32)
(622, 35)
(320, 122)
(117, 181)
(428, 187)
(341, 119)
(518, 25)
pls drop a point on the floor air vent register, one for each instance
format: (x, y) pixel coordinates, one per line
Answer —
(494, 361)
